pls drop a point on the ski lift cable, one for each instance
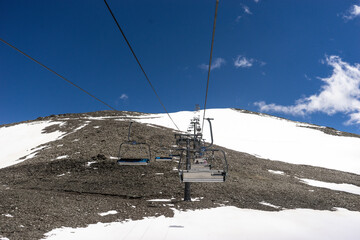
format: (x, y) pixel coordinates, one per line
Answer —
(137, 60)
(49, 69)
(211, 50)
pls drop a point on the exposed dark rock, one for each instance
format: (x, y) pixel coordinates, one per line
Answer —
(44, 193)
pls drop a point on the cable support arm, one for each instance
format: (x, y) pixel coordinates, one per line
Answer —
(211, 134)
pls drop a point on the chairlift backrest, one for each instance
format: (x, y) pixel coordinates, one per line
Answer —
(200, 166)
(133, 160)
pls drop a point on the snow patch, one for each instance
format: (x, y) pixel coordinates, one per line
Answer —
(343, 187)
(80, 127)
(8, 215)
(269, 205)
(24, 140)
(119, 118)
(197, 199)
(63, 174)
(276, 172)
(62, 157)
(159, 200)
(88, 164)
(111, 212)
(33, 154)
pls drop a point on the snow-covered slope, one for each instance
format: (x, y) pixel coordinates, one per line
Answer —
(20, 142)
(259, 135)
(225, 223)
(272, 138)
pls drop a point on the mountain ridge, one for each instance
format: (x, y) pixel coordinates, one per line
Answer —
(325, 129)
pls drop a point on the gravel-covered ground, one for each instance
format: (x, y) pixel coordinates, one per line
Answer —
(44, 193)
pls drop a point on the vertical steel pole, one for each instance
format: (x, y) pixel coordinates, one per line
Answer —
(187, 197)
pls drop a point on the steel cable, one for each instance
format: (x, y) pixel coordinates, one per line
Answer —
(137, 60)
(211, 50)
(49, 69)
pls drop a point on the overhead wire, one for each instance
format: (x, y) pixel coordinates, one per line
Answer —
(211, 50)
(137, 60)
(49, 69)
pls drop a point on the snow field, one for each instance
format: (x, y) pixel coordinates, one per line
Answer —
(226, 223)
(23, 139)
(272, 138)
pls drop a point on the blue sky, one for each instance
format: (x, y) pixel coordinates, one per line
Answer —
(294, 59)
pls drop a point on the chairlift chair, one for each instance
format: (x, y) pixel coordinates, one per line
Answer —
(202, 176)
(201, 168)
(133, 161)
(201, 164)
(163, 159)
(175, 156)
(203, 172)
(168, 158)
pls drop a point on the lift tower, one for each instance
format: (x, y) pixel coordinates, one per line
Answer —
(201, 163)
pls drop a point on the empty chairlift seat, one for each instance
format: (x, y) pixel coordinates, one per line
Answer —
(201, 170)
(143, 160)
(169, 157)
(175, 156)
(163, 159)
(202, 176)
(133, 161)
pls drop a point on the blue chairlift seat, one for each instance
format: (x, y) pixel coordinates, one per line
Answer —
(130, 160)
(163, 159)
(133, 161)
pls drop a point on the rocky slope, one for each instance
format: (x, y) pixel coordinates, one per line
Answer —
(73, 179)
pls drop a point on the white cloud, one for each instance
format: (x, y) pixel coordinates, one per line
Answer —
(247, 9)
(238, 18)
(124, 96)
(353, 12)
(261, 63)
(217, 63)
(243, 62)
(256, 1)
(340, 93)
